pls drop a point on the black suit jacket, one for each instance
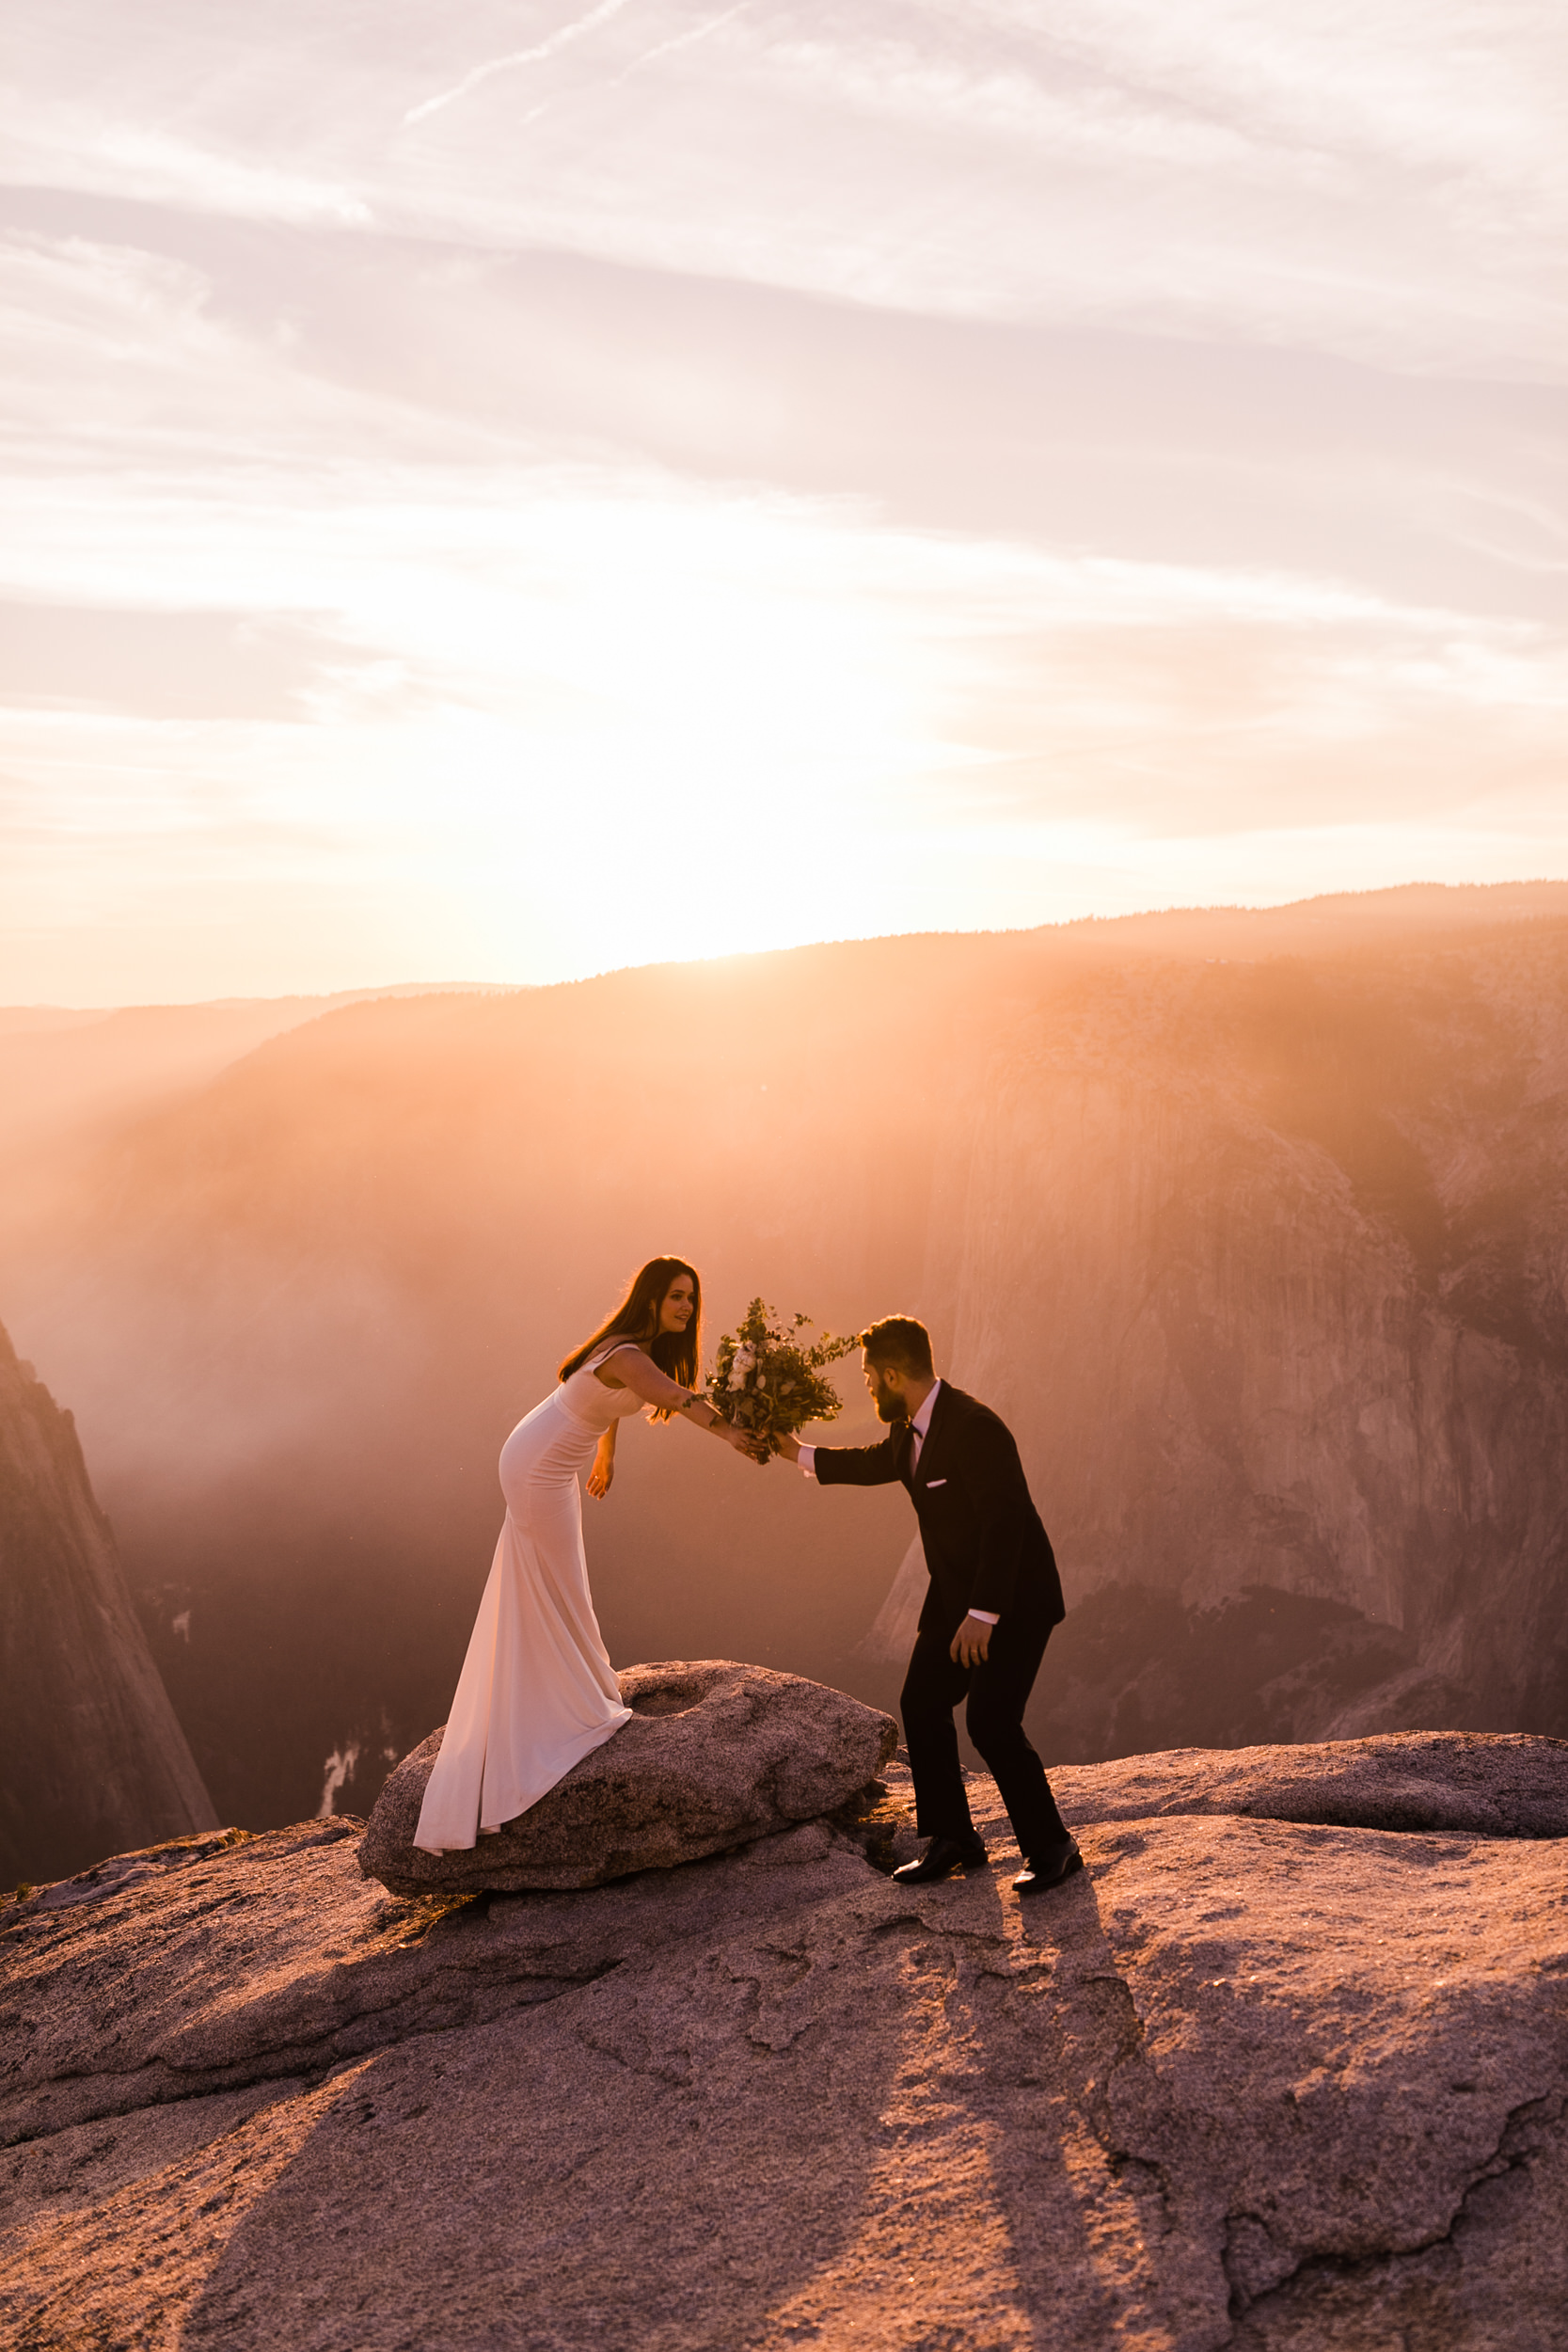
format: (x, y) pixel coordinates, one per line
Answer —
(984, 1545)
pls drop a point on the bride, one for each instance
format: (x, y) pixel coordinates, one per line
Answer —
(537, 1691)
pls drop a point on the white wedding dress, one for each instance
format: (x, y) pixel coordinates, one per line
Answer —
(537, 1691)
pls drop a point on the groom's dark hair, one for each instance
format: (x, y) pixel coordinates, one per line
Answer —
(898, 1344)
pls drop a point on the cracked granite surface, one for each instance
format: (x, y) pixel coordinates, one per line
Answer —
(1261, 2082)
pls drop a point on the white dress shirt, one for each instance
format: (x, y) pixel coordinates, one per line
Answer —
(920, 1423)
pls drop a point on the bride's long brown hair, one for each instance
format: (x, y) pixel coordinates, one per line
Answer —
(676, 1353)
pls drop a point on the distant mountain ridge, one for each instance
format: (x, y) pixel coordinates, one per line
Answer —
(1251, 1224)
(65, 1073)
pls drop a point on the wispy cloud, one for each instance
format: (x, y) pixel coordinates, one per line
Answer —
(552, 46)
(513, 652)
(1239, 167)
(687, 40)
(1073, 462)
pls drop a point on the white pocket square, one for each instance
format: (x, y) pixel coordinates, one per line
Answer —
(936, 1481)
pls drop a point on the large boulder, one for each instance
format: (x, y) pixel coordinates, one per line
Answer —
(715, 1754)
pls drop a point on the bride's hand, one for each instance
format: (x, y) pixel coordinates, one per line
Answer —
(601, 1477)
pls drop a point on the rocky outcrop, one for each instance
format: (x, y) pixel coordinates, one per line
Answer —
(1511, 1787)
(715, 1756)
(91, 1757)
(1260, 2080)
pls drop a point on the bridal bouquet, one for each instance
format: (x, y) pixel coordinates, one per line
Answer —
(767, 1383)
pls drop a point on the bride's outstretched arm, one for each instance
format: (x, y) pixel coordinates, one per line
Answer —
(644, 1380)
(601, 1477)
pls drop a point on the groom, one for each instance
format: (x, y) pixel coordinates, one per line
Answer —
(994, 1597)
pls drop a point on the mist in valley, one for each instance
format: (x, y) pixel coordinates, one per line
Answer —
(1250, 1224)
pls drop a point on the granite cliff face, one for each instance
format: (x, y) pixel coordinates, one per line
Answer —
(1251, 1225)
(1299, 1238)
(1285, 2070)
(91, 1757)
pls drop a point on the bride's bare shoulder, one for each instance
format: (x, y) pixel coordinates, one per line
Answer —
(600, 1366)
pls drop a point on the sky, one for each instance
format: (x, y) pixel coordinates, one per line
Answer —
(503, 491)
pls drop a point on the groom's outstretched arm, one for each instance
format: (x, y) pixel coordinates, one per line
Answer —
(848, 1465)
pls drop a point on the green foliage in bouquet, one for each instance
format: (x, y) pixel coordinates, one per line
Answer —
(767, 1383)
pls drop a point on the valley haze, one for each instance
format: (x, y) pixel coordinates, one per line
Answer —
(1249, 1223)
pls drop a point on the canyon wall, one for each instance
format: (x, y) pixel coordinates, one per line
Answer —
(1292, 1239)
(91, 1757)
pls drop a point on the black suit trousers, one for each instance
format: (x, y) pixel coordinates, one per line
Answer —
(997, 1688)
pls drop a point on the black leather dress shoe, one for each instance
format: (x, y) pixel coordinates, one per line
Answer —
(942, 1857)
(1048, 1868)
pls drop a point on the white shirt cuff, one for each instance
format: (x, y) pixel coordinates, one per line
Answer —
(985, 1616)
(807, 1460)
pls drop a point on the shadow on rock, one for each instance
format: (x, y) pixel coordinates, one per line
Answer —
(659, 2157)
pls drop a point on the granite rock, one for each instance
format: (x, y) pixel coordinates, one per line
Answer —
(1488, 1785)
(1249, 2084)
(91, 1754)
(715, 1754)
